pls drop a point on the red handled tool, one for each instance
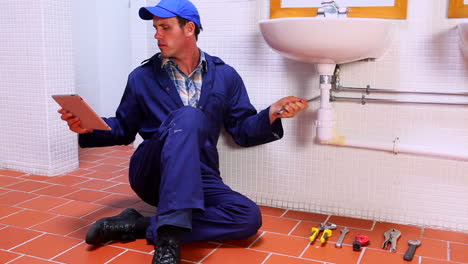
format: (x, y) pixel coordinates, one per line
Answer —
(360, 241)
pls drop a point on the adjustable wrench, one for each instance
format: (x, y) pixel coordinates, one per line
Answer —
(339, 243)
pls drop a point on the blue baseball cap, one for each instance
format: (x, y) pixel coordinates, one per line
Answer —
(172, 8)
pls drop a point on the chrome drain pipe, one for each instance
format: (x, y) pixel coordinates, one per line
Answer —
(369, 90)
(363, 100)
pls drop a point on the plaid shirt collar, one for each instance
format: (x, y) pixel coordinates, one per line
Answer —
(203, 64)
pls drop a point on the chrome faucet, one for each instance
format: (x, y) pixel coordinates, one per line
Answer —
(330, 9)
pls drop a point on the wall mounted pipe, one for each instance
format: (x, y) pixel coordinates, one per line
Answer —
(368, 90)
(397, 147)
(364, 100)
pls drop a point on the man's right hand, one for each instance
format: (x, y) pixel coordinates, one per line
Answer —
(73, 122)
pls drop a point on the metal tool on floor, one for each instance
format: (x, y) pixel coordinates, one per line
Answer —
(413, 244)
(360, 241)
(339, 243)
(391, 237)
(327, 232)
(317, 230)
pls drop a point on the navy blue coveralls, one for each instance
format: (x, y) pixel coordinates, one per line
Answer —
(176, 167)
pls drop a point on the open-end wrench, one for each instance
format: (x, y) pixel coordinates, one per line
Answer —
(339, 243)
(413, 244)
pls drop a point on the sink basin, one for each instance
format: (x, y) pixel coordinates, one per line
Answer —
(462, 29)
(327, 41)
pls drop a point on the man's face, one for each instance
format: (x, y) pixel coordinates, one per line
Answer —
(171, 37)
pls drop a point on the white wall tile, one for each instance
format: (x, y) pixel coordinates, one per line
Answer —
(36, 58)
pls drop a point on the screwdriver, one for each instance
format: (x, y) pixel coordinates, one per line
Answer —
(310, 100)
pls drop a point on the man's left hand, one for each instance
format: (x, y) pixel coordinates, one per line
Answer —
(291, 105)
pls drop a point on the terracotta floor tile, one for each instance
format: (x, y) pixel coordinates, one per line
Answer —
(95, 184)
(118, 200)
(13, 236)
(76, 209)
(313, 217)
(46, 246)
(15, 197)
(121, 178)
(242, 242)
(235, 255)
(114, 161)
(31, 260)
(351, 222)
(196, 251)
(414, 231)
(84, 254)
(107, 168)
(100, 175)
(132, 257)
(57, 190)
(12, 173)
(35, 177)
(28, 186)
(278, 224)
(329, 253)
(8, 210)
(80, 172)
(446, 235)
(86, 195)
(87, 165)
(43, 203)
(90, 158)
(6, 180)
(138, 245)
(26, 218)
(435, 261)
(120, 188)
(278, 259)
(67, 180)
(282, 244)
(3, 190)
(61, 225)
(103, 212)
(372, 256)
(459, 252)
(266, 210)
(80, 233)
(6, 256)
(429, 248)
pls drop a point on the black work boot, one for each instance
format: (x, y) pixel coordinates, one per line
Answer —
(121, 227)
(167, 250)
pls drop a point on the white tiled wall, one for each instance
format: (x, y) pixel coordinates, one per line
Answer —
(297, 173)
(35, 58)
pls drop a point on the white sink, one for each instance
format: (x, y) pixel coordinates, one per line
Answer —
(327, 41)
(462, 29)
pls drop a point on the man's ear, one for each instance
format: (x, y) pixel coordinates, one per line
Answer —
(189, 28)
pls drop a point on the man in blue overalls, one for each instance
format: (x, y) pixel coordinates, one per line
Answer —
(178, 101)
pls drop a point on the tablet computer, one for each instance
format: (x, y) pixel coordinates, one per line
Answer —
(78, 107)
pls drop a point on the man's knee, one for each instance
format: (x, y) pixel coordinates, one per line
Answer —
(188, 118)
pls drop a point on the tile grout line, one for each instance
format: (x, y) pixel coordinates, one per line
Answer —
(361, 255)
(253, 242)
(448, 250)
(294, 228)
(116, 256)
(27, 241)
(269, 255)
(11, 261)
(209, 254)
(65, 251)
